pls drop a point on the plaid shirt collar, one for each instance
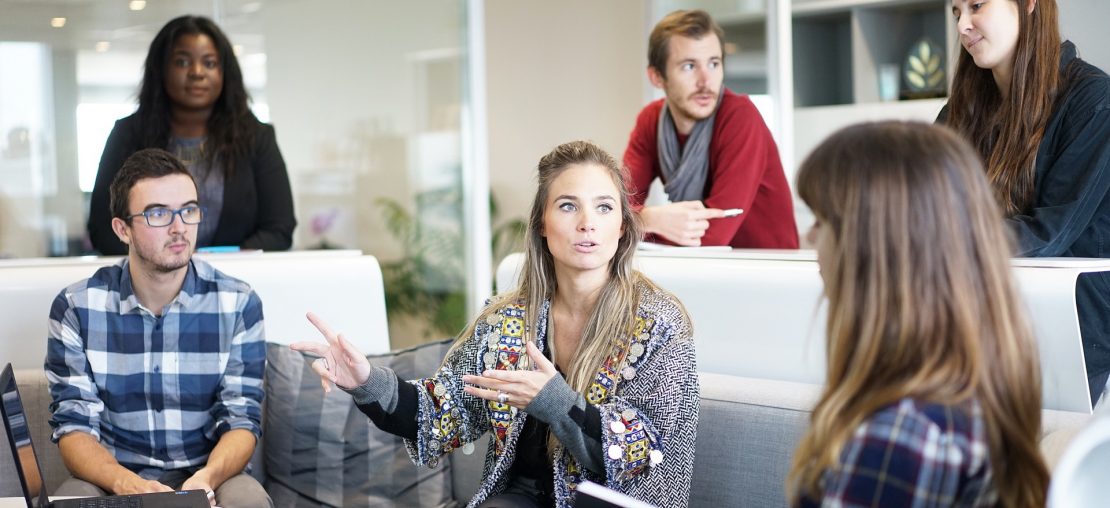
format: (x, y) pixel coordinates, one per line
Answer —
(129, 302)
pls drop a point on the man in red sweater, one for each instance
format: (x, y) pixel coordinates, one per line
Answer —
(708, 145)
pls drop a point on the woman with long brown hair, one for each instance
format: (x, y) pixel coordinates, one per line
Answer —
(586, 371)
(1040, 118)
(932, 392)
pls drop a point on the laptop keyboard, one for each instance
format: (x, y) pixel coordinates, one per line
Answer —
(113, 502)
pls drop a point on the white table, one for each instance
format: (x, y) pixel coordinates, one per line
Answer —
(343, 287)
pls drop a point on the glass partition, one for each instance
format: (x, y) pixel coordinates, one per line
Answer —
(366, 99)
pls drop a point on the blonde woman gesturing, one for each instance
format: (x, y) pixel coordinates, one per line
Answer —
(625, 414)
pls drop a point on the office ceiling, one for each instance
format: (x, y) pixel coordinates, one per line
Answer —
(89, 22)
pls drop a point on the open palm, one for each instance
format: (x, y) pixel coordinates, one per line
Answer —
(340, 362)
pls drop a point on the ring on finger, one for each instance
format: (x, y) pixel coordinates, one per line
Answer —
(502, 397)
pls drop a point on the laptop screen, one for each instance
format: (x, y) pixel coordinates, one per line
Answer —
(19, 438)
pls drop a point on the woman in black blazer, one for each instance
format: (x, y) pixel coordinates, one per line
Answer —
(193, 103)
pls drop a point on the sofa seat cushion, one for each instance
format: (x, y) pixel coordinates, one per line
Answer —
(747, 431)
(320, 450)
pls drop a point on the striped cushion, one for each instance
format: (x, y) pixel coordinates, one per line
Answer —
(322, 451)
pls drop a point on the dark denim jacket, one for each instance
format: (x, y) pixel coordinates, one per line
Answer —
(1071, 210)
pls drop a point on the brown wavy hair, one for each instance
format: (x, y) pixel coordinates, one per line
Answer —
(921, 302)
(694, 24)
(1007, 129)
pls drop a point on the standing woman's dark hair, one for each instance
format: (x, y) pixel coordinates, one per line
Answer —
(231, 125)
(193, 103)
(1039, 116)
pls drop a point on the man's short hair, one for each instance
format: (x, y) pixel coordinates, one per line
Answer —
(146, 163)
(694, 24)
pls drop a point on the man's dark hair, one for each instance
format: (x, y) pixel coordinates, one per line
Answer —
(694, 24)
(147, 163)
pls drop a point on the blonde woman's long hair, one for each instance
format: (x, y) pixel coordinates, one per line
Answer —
(921, 302)
(613, 316)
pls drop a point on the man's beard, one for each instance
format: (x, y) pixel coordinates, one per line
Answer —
(173, 264)
(689, 111)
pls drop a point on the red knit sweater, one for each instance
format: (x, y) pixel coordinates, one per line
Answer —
(744, 172)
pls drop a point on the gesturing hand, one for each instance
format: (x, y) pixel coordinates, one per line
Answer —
(683, 223)
(514, 387)
(340, 362)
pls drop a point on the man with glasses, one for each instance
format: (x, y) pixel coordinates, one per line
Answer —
(155, 363)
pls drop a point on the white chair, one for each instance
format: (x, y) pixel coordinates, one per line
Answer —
(1080, 477)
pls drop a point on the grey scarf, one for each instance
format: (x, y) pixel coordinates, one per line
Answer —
(684, 174)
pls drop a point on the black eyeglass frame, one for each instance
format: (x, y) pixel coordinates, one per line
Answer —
(180, 212)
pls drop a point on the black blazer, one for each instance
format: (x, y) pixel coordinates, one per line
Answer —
(258, 203)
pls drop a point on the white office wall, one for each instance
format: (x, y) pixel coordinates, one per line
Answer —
(558, 71)
(1084, 22)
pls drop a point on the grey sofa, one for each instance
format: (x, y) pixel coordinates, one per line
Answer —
(747, 432)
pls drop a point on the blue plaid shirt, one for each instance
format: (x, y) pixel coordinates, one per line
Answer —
(913, 454)
(158, 392)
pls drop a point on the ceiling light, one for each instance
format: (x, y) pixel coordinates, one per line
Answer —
(137, 5)
(57, 22)
(103, 46)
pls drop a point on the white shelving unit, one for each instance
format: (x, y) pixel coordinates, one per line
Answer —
(839, 47)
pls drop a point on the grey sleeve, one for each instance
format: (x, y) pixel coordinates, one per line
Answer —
(568, 415)
(380, 387)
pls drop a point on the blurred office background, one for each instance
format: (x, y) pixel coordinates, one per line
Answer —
(411, 129)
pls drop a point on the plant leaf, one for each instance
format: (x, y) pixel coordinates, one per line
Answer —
(933, 65)
(916, 65)
(935, 79)
(915, 79)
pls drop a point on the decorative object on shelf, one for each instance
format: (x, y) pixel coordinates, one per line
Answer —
(888, 82)
(924, 71)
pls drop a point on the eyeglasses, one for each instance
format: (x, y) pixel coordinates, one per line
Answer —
(162, 217)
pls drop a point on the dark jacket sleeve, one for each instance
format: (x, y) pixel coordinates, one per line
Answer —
(399, 420)
(1073, 178)
(120, 145)
(275, 219)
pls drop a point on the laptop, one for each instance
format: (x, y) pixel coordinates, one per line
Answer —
(30, 472)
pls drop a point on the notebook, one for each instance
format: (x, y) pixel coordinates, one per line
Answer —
(30, 472)
(592, 495)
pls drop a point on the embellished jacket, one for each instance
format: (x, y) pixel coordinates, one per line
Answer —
(646, 393)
